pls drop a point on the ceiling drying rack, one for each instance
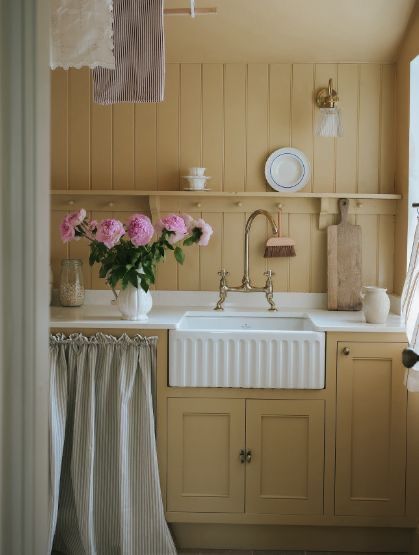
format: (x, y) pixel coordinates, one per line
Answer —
(192, 10)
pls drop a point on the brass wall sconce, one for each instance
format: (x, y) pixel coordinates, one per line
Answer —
(329, 121)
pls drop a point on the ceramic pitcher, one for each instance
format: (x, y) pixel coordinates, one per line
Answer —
(133, 303)
(376, 304)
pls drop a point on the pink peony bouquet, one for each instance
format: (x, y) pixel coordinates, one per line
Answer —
(126, 252)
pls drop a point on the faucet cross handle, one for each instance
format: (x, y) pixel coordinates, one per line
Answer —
(269, 273)
(223, 273)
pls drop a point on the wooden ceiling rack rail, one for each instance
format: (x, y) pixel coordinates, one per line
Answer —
(187, 11)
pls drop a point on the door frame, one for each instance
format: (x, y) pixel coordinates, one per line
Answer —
(24, 275)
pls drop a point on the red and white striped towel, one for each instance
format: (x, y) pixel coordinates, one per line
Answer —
(139, 55)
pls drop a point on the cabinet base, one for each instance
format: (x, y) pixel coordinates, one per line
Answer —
(315, 538)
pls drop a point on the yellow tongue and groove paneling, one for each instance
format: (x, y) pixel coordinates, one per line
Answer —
(229, 117)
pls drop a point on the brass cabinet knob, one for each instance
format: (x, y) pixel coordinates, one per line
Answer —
(346, 351)
(249, 456)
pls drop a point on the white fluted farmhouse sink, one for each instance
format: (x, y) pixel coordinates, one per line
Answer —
(251, 351)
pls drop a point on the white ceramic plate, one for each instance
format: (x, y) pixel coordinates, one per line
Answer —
(287, 169)
(195, 189)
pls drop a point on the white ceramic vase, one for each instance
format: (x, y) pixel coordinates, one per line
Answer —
(133, 303)
(376, 304)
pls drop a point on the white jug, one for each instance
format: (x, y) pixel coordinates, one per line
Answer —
(133, 303)
(376, 304)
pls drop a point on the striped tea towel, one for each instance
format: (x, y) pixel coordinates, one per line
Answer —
(81, 34)
(410, 310)
(139, 55)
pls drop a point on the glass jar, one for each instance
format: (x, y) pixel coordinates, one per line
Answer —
(71, 283)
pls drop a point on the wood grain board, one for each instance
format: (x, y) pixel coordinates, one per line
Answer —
(344, 263)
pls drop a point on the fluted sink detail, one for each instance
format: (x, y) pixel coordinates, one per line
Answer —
(248, 352)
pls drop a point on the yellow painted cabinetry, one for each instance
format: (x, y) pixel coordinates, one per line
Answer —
(245, 456)
(204, 469)
(370, 430)
(344, 455)
(286, 441)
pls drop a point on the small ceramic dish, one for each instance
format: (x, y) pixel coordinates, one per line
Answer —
(287, 169)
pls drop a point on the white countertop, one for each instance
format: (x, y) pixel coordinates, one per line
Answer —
(100, 314)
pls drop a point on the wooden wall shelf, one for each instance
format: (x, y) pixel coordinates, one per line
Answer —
(154, 202)
(210, 194)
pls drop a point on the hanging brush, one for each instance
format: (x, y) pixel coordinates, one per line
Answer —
(279, 246)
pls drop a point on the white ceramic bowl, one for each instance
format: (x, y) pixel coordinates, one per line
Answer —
(197, 182)
(199, 172)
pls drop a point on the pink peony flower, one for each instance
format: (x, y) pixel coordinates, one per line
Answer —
(67, 231)
(173, 223)
(140, 229)
(76, 218)
(206, 230)
(109, 232)
(92, 225)
(188, 221)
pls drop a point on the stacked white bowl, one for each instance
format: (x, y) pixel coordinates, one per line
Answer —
(197, 179)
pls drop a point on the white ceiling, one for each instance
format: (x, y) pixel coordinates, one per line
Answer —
(288, 30)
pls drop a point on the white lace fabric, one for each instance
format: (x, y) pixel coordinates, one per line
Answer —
(82, 34)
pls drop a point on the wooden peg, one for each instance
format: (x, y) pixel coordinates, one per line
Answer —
(239, 204)
(71, 203)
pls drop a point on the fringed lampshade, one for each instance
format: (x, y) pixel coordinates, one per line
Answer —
(329, 119)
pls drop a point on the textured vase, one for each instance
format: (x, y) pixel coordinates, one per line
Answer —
(376, 304)
(133, 303)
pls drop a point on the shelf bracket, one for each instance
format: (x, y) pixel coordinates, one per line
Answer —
(325, 212)
(154, 206)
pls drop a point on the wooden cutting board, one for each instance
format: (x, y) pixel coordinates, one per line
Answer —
(344, 269)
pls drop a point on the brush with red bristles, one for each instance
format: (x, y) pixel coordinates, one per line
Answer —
(279, 246)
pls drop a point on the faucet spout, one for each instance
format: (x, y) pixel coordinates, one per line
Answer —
(246, 285)
(253, 215)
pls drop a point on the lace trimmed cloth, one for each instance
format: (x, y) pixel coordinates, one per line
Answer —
(82, 34)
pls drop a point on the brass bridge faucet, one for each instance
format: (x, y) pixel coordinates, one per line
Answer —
(246, 285)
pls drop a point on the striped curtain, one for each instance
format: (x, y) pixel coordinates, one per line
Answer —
(105, 491)
(139, 55)
(410, 310)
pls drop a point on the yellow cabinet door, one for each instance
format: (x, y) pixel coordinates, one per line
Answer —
(205, 471)
(286, 443)
(370, 430)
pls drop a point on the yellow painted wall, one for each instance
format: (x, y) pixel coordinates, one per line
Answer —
(229, 117)
(408, 51)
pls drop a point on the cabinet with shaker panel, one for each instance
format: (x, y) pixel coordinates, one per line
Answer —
(343, 455)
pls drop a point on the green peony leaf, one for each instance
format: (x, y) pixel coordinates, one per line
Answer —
(179, 255)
